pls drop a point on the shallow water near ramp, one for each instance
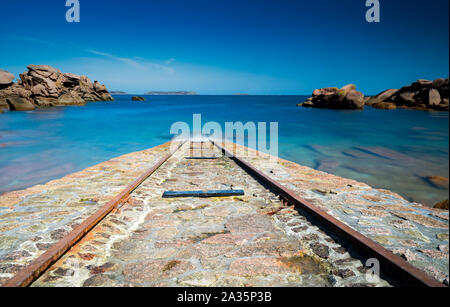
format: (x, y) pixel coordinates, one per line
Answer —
(395, 150)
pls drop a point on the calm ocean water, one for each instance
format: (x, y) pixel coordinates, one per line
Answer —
(396, 150)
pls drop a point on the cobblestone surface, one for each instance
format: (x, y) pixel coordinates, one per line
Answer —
(381, 215)
(32, 220)
(253, 240)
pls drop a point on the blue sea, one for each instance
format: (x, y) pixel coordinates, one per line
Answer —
(394, 150)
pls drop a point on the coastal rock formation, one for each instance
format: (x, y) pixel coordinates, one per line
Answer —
(346, 97)
(421, 95)
(137, 98)
(45, 86)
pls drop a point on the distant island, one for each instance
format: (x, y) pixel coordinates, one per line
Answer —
(171, 93)
(119, 93)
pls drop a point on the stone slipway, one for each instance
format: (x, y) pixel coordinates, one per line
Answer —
(415, 232)
(32, 220)
(252, 240)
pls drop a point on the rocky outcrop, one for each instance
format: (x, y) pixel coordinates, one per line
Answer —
(421, 95)
(346, 97)
(138, 98)
(45, 86)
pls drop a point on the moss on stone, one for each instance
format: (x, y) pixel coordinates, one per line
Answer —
(170, 265)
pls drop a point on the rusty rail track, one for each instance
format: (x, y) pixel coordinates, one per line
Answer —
(35, 269)
(391, 265)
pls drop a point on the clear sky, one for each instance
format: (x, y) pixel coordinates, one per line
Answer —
(231, 46)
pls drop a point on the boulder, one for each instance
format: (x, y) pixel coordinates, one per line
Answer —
(6, 77)
(434, 98)
(406, 98)
(443, 205)
(421, 83)
(346, 89)
(329, 101)
(39, 90)
(353, 100)
(70, 98)
(14, 92)
(438, 83)
(384, 106)
(346, 97)
(71, 80)
(106, 97)
(326, 91)
(19, 104)
(99, 88)
(307, 104)
(92, 97)
(71, 76)
(137, 98)
(44, 70)
(385, 96)
(45, 101)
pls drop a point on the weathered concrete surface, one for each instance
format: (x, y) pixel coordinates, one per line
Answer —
(251, 240)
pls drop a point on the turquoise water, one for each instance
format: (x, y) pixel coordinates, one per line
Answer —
(396, 150)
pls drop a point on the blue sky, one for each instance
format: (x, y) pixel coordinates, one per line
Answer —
(231, 46)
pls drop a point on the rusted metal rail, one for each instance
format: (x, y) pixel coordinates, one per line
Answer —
(391, 265)
(35, 269)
